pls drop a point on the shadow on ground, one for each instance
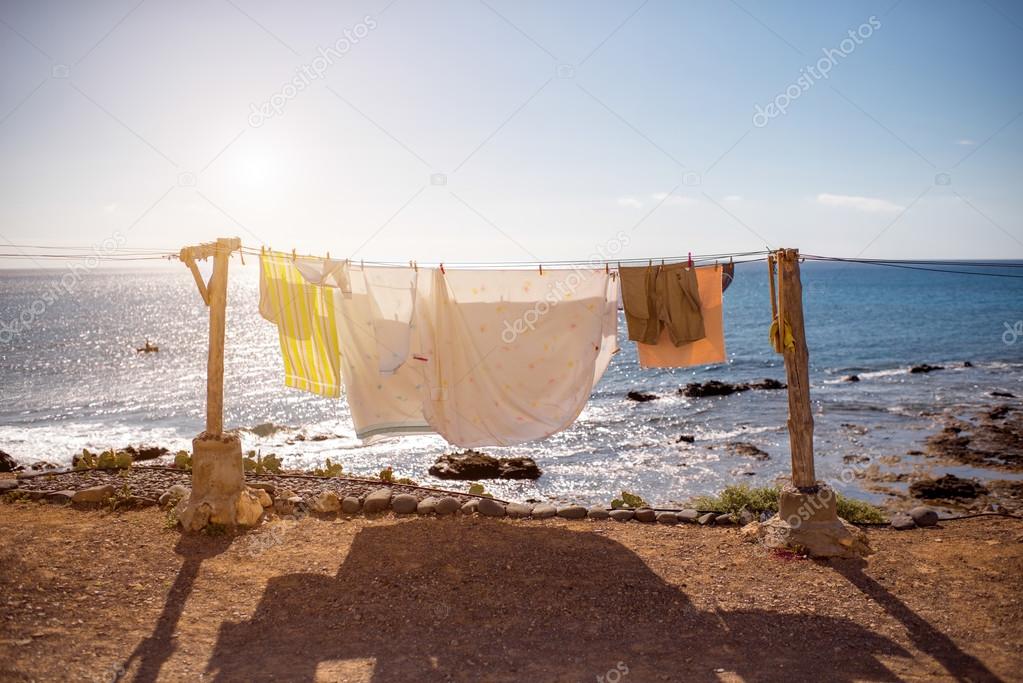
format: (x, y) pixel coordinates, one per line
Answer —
(482, 600)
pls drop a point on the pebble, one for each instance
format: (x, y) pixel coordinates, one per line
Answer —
(519, 510)
(490, 508)
(94, 494)
(267, 486)
(597, 512)
(901, 521)
(689, 516)
(470, 507)
(172, 495)
(621, 515)
(325, 503)
(707, 518)
(645, 515)
(724, 519)
(544, 511)
(924, 516)
(403, 503)
(447, 505)
(378, 501)
(427, 506)
(350, 505)
(667, 518)
(572, 512)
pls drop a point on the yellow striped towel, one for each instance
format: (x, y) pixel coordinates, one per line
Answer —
(306, 322)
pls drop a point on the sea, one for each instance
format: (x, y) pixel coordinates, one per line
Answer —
(72, 379)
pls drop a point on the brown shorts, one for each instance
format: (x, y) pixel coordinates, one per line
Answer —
(662, 296)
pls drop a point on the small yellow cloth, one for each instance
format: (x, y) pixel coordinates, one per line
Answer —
(790, 342)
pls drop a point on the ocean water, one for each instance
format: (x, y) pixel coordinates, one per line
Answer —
(71, 379)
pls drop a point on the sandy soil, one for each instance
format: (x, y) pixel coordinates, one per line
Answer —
(98, 596)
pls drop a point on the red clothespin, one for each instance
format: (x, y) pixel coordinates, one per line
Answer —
(607, 268)
(690, 259)
(442, 269)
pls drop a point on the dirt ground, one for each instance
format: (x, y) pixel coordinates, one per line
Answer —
(99, 596)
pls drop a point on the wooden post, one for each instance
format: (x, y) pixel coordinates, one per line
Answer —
(218, 494)
(797, 369)
(218, 325)
(214, 295)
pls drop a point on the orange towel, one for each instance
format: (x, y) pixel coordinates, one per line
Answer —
(710, 349)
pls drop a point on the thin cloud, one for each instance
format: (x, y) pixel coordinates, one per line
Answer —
(867, 204)
(672, 200)
(732, 197)
(966, 142)
(630, 202)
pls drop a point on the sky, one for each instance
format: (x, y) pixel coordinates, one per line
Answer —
(501, 130)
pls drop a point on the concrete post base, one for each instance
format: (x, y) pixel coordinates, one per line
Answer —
(219, 495)
(809, 522)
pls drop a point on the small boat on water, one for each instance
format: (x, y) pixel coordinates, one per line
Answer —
(148, 348)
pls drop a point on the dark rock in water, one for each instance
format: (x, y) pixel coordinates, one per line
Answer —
(42, 465)
(8, 463)
(641, 396)
(999, 412)
(748, 450)
(716, 388)
(924, 367)
(267, 429)
(471, 465)
(948, 486)
(768, 384)
(1003, 394)
(685, 438)
(967, 364)
(711, 388)
(145, 452)
(855, 459)
(852, 378)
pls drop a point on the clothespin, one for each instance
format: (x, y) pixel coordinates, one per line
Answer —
(690, 259)
(292, 254)
(541, 269)
(442, 269)
(262, 249)
(362, 264)
(415, 266)
(607, 268)
(328, 255)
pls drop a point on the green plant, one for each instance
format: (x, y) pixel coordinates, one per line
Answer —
(170, 521)
(214, 529)
(107, 460)
(387, 474)
(183, 460)
(765, 499)
(406, 481)
(257, 464)
(630, 500)
(858, 511)
(121, 496)
(478, 490)
(329, 469)
(14, 496)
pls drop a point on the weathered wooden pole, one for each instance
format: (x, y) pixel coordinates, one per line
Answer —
(218, 494)
(807, 519)
(797, 369)
(218, 323)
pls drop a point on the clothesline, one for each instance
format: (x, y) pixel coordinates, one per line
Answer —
(153, 254)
